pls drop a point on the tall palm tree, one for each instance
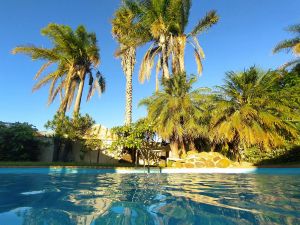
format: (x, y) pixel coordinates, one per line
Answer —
(76, 55)
(292, 44)
(176, 112)
(129, 36)
(166, 21)
(247, 113)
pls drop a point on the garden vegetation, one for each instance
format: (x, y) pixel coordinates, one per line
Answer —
(254, 112)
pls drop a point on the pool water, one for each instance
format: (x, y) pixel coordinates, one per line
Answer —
(134, 199)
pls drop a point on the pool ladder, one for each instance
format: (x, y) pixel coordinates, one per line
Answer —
(149, 170)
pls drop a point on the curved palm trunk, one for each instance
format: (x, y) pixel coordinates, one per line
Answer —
(128, 62)
(63, 112)
(63, 109)
(78, 97)
(164, 56)
(64, 103)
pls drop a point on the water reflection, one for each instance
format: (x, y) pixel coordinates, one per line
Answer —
(158, 199)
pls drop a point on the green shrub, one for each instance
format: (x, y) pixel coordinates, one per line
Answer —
(275, 156)
(19, 142)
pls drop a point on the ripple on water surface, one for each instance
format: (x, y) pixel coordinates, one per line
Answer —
(99, 199)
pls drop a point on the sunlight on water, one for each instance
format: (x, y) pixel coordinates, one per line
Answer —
(161, 199)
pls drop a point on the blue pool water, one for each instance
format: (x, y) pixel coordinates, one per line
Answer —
(99, 197)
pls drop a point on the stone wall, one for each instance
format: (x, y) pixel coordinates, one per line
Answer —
(204, 160)
(46, 150)
(91, 156)
(72, 154)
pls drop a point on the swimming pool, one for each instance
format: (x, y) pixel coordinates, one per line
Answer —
(98, 197)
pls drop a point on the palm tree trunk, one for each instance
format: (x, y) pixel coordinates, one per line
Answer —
(192, 146)
(98, 156)
(236, 150)
(64, 102)
(156, 83)
(164, 53)
(174, 148)
(179, 49)
(63, 110)
(128, 60)
(183, 149)
(79, 96)
(128, 108)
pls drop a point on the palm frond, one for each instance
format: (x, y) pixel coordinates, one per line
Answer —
(290, 63)
(294, 28)
(205, 23)
(42, 69)
(286, 45)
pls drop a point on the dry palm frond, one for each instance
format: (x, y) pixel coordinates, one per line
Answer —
(198, 61)
(97, 85)
(57, 90)
(199, 48)
(45, 66)
(71, 94)
(147, 63)
(45, 80)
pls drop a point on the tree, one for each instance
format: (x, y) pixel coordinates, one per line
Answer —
(289, 45)
(247, 112)
(165, 21)
(129, 36)
(286, 87)
(134, 136)
(74, 128)
(19, 142)
(76, 55)
(178, 112)
(135, 139)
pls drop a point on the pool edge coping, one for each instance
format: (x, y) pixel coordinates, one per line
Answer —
(124, 170)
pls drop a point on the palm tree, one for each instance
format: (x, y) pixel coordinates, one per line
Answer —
(76, 55)
(177, 112)
(129, 36)
(165, 21)
(290, 45)
(247, 113)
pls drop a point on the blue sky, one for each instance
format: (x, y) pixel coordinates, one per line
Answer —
(245, 36)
